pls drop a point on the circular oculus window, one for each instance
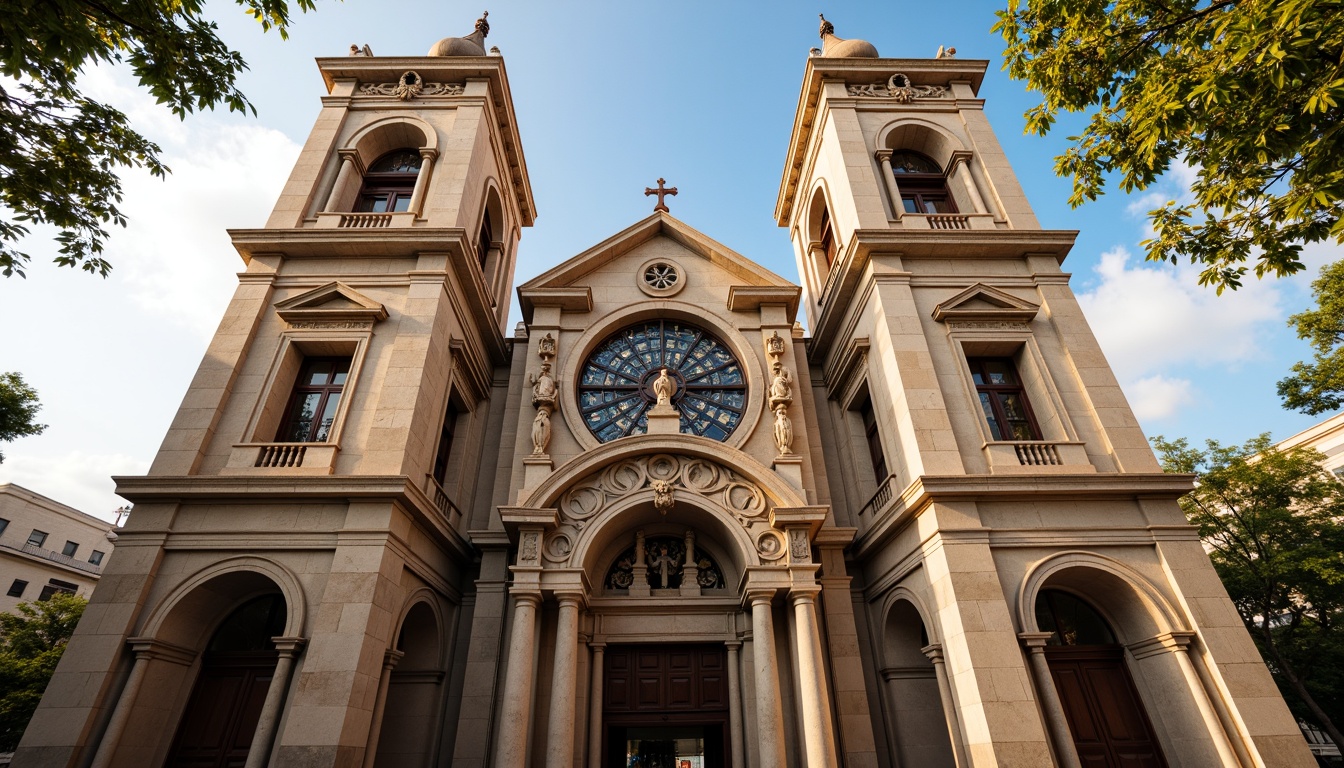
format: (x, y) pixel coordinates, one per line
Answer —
(661, 277)
(615, 388)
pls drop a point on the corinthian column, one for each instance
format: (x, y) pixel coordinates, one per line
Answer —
(564, 680)
(511, 746)
(818, 734)
(769, 711)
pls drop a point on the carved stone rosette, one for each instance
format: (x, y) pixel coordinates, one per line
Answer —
(713, 484)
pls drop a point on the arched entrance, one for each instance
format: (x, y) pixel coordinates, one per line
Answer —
(1105, 715)
(406, 735)
(917, 713)
(221, 717)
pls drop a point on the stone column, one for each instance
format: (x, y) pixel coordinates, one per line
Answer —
(259, 752)
(1056, 722)
(734, 708)
(121, 715)
(564, 680)
(1178, 641)
(390, 659)
(516, 709)
(427, 156)
(890, 676)
(769, 709)
(935, 654)
(595, 708)
(889, 178)
(342, 180)
(818, 734)
(964, 175)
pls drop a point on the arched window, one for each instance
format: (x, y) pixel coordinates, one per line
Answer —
(923, 188)
(485, 238)
(1072, 621)
(826, 236)
(389, 182)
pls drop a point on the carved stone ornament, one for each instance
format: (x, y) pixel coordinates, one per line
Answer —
(774, 346)
(783, 431)
(527, 548)
(409, 86)
(800, 549)
(545, 396)
(662, 496)
(541, 431)
(769, 545)
(898, 87)
(546, 347)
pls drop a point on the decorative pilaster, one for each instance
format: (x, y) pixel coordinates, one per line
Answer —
(390, 659)
(595, 706)
(516, 709)
(889, 180)
(934, 652)
(1061, 738)
(1177, 644)
(564, 681)
(818, 735)
(769, 711)
(734, 707)
(961, 161)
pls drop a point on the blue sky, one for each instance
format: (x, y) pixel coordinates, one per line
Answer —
(609, 96)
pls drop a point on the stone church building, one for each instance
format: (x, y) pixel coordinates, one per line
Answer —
(658, 524)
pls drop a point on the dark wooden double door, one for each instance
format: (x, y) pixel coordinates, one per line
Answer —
(665, 704)
(1106, 717)
(221, 717)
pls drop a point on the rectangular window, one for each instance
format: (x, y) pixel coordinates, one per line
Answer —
(96, 558)
(69, 549)
(37, 538)
(56, 585)
(1003, 399)
(16, 589)
(445, 444)
(875, 453)
(3, 525)
(317, 395)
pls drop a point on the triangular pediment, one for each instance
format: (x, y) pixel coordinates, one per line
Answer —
(985, 302)
(567, 282)
(334, 301)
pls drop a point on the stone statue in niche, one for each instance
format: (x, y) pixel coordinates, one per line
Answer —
(663, 563)
(783, 431)
(663, 389)
(545, 397)
(781, 396)
(781, 386)
(544, 387)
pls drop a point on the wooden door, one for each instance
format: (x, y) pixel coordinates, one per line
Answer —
(221, 717)
(1106, 717)
(679, 689)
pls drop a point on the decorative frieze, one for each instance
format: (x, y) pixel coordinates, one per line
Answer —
(409, 86)
(898, 87)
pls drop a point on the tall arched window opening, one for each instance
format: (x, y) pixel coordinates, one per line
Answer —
(922, 184)
(827, 237)
(485, 238)
(389, 182)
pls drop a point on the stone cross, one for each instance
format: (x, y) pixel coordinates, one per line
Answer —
(660, 192)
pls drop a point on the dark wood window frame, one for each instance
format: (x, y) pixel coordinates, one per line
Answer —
(923, 186)
(318, 429)
(826, 236)
(485, 238)
(873, 436)
(16, 589)
(446, 437)
(388, 191)
(994, 397)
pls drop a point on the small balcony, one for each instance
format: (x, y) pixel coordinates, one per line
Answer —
(398, 220)
(451, 514)
(282, 459)
(946, 221)
(877, 506)
(1019, 457)
(57, 557)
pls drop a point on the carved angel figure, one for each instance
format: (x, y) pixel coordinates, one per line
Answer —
(664, 387)
(783, 431)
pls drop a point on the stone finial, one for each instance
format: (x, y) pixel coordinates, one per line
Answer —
(494, 50)
(355, 50)
(827, 28)
(946, 52)
(814, 52)
(482, 25)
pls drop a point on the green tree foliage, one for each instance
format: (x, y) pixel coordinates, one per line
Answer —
(1273, 522)
(31, 642)
(18, 409)
(1318, 386)
(1247, 93)
(60, 151)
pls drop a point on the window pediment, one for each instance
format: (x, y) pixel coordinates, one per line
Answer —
(984, 302)
(331, 303)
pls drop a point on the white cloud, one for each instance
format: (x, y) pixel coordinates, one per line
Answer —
(1158, 397)
(1151, 317)
(77, 479)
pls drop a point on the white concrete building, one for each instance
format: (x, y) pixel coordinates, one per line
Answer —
(46, 547)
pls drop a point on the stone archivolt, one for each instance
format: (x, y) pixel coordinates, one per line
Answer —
(588, 501)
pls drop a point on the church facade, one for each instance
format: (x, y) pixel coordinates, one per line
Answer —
(657, 524)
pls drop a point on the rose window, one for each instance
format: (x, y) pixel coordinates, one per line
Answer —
(616, 384)
(661, 276)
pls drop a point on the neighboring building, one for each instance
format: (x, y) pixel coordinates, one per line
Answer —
(380, 532)
(47, 547)
(1326, 437)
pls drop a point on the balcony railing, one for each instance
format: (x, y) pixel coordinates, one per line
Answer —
(949, 221)
(878, 504)
(365, 220)
(57, 557)
(444, 504)
(282, 458)
(1027, 456)
(281, 455)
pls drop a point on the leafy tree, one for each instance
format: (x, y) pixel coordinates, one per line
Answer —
(60, 151)
(18, 408)
(1247, 93)
(31, 642)
(1273, 523)
(1318, 386)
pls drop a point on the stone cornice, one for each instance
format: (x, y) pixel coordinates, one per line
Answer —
(206, 488)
